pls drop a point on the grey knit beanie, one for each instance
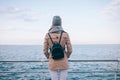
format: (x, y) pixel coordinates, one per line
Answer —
(56, 21)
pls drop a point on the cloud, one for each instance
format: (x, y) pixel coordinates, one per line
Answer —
(29, 17)
(15, 13)
(112, 10)
(9, 10)
(7, 28)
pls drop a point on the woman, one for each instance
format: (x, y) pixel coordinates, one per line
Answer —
(57, 66)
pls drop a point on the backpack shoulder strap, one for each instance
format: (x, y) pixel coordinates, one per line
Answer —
(50, 38)
(60, 36)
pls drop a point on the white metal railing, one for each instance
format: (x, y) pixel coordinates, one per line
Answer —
(117, 71)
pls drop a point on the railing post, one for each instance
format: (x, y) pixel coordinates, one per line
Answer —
(116, 72)
(115, 75)
(43, 78)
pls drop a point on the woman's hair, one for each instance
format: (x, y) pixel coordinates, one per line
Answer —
(56, 21)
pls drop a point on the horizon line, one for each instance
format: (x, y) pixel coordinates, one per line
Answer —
(72, 44)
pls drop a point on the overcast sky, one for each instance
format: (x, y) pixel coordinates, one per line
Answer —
(86, 21)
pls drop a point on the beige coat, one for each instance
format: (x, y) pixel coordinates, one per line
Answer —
(65, 41)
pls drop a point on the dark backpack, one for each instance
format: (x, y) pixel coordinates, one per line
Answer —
(57, 50)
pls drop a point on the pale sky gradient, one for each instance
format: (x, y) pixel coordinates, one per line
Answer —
(86, 21)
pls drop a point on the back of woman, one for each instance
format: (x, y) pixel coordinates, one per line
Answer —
(57, 66)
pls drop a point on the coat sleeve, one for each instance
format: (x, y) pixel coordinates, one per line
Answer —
(45, 47)
(69, 46)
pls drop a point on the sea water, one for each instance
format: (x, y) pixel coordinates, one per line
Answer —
(80, 52)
